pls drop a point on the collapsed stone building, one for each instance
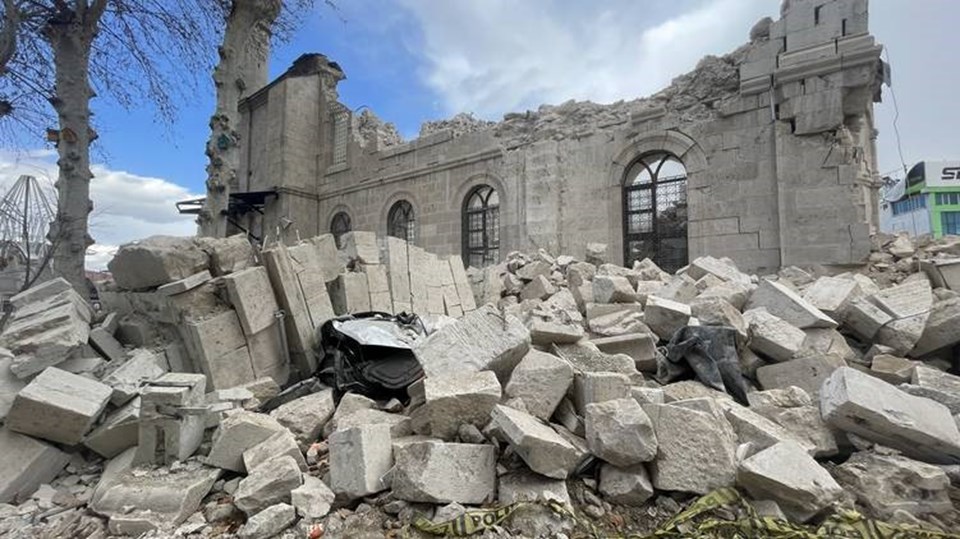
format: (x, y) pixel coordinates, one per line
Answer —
(766, 155)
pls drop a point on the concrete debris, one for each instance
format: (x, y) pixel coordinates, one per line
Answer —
(435, 472)
(791, 477)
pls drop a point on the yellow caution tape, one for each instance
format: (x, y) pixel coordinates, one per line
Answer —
(844, 524)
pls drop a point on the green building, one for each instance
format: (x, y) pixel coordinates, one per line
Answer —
(926, 202)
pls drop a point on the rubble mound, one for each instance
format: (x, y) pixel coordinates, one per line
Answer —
(609, 397)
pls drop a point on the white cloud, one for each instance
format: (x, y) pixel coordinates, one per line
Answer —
(494, 56)
(126, 206)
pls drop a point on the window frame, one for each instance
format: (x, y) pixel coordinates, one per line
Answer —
(482, 220)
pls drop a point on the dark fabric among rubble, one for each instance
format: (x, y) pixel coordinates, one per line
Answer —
(707, 352)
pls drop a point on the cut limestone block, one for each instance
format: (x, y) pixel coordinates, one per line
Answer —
(942, 328)
(330, 265)
(107, 345)
(350, 293)
(25, 464)
(359, 459)
(696, 451)
(238, 432)
(864, 319)
(230, 254)
(889, 483)
(714, 311)
(615, 319)
(58, 406)
(252, 296)
(400, 425)
(267, 484)
(807, 373)
(540, 288)
(893, 369)
(467, 301)
(434, 278)
(664, 316)
(832, 295)
(708, 265)
(362, 246)
(184, 285)
(419, 268)
(456, 399)
(434, 472)
(155, 261)
(143, 366)
(164, 498)
(268, 523)
(313, 499)
(46, 333)
(306, 264)
(40, 292)
(785, 304)
(481, 340)
(642, 347)
(399, 274)
(873, 409)
(525, 486)
(306, 416)
(546, 332)
(613, 289)
(378, 285)
(619, 432)
(267, 356)
(119, 430)
(349, 403)
(931, 378)
(541, 447)
(903, 334)
(10, 385)
(771, 336)
(805, 426)
(218, 347)
(625, 486)
(540, 380)
(297, 320)
(592, 387)
(911, 298)
(753, 428)
(787, 474)
(166, 434)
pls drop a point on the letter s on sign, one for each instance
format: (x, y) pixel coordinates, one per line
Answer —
(951, 173)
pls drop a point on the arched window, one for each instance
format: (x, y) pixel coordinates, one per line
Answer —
(481, 227)
(655, 211)
(401, 222)
(339, 225)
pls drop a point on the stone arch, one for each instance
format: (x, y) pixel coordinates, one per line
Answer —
(669, 141)
(504, 210)
(397, 196)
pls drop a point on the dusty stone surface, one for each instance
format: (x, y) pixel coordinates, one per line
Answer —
(58, 406)
(772, 336)
(268, 484)
(306, 416)
(889, 483)
(544, 451)
(619, 432)
(359, 459)
(785, 304)
(155, 261)
(540, 380)
(452, 400)
(526, 486)
(313, 498)
(268, 522)
(787, 474)
(434, 472)
(237, 433)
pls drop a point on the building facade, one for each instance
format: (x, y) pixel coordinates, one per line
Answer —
(927, 201)
(766, 155)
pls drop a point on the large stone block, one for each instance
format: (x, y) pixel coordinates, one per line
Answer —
(350, 293)
(313, 499)
(25, 464)
(784, 303)
(308, 266)
(119, 431)
(540, 380)
(619, 432)
(298, 322)
(832, 295)
(143, 366)
(237, 433)
(46, 332)
(613, 289)
(593, 387)
(252, 297)
(399, 274)
(267, 357)
(218, 347)
(10, 385)
(526, 486)
(434, 472)
(467, 301)
(873, 409)
(40, 292)
(625, 486)
(807, 373)
(306, 416)
(167, 434)
(911, 298)
(544, 451)
(268, 484)
(864, 319)
(455, 399)
(753, 428)
(641, 347)
(615, 319)
(330, 264)
(788, 475)
(230, 254)
(708, 265)
(942, 328)
(887, 484)
(155, 261)
(482, 340)
(164, 498)
(696, 451)
(664, 316)
(361, 245)
(58, 406)
(359, 459)
(269, 522)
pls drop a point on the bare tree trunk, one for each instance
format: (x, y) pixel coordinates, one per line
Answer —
(242, 70)
(8, 34)
(71, 35)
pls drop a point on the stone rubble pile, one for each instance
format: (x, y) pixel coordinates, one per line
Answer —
(544, 380)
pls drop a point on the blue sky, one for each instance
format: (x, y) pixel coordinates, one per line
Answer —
(417, 60)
